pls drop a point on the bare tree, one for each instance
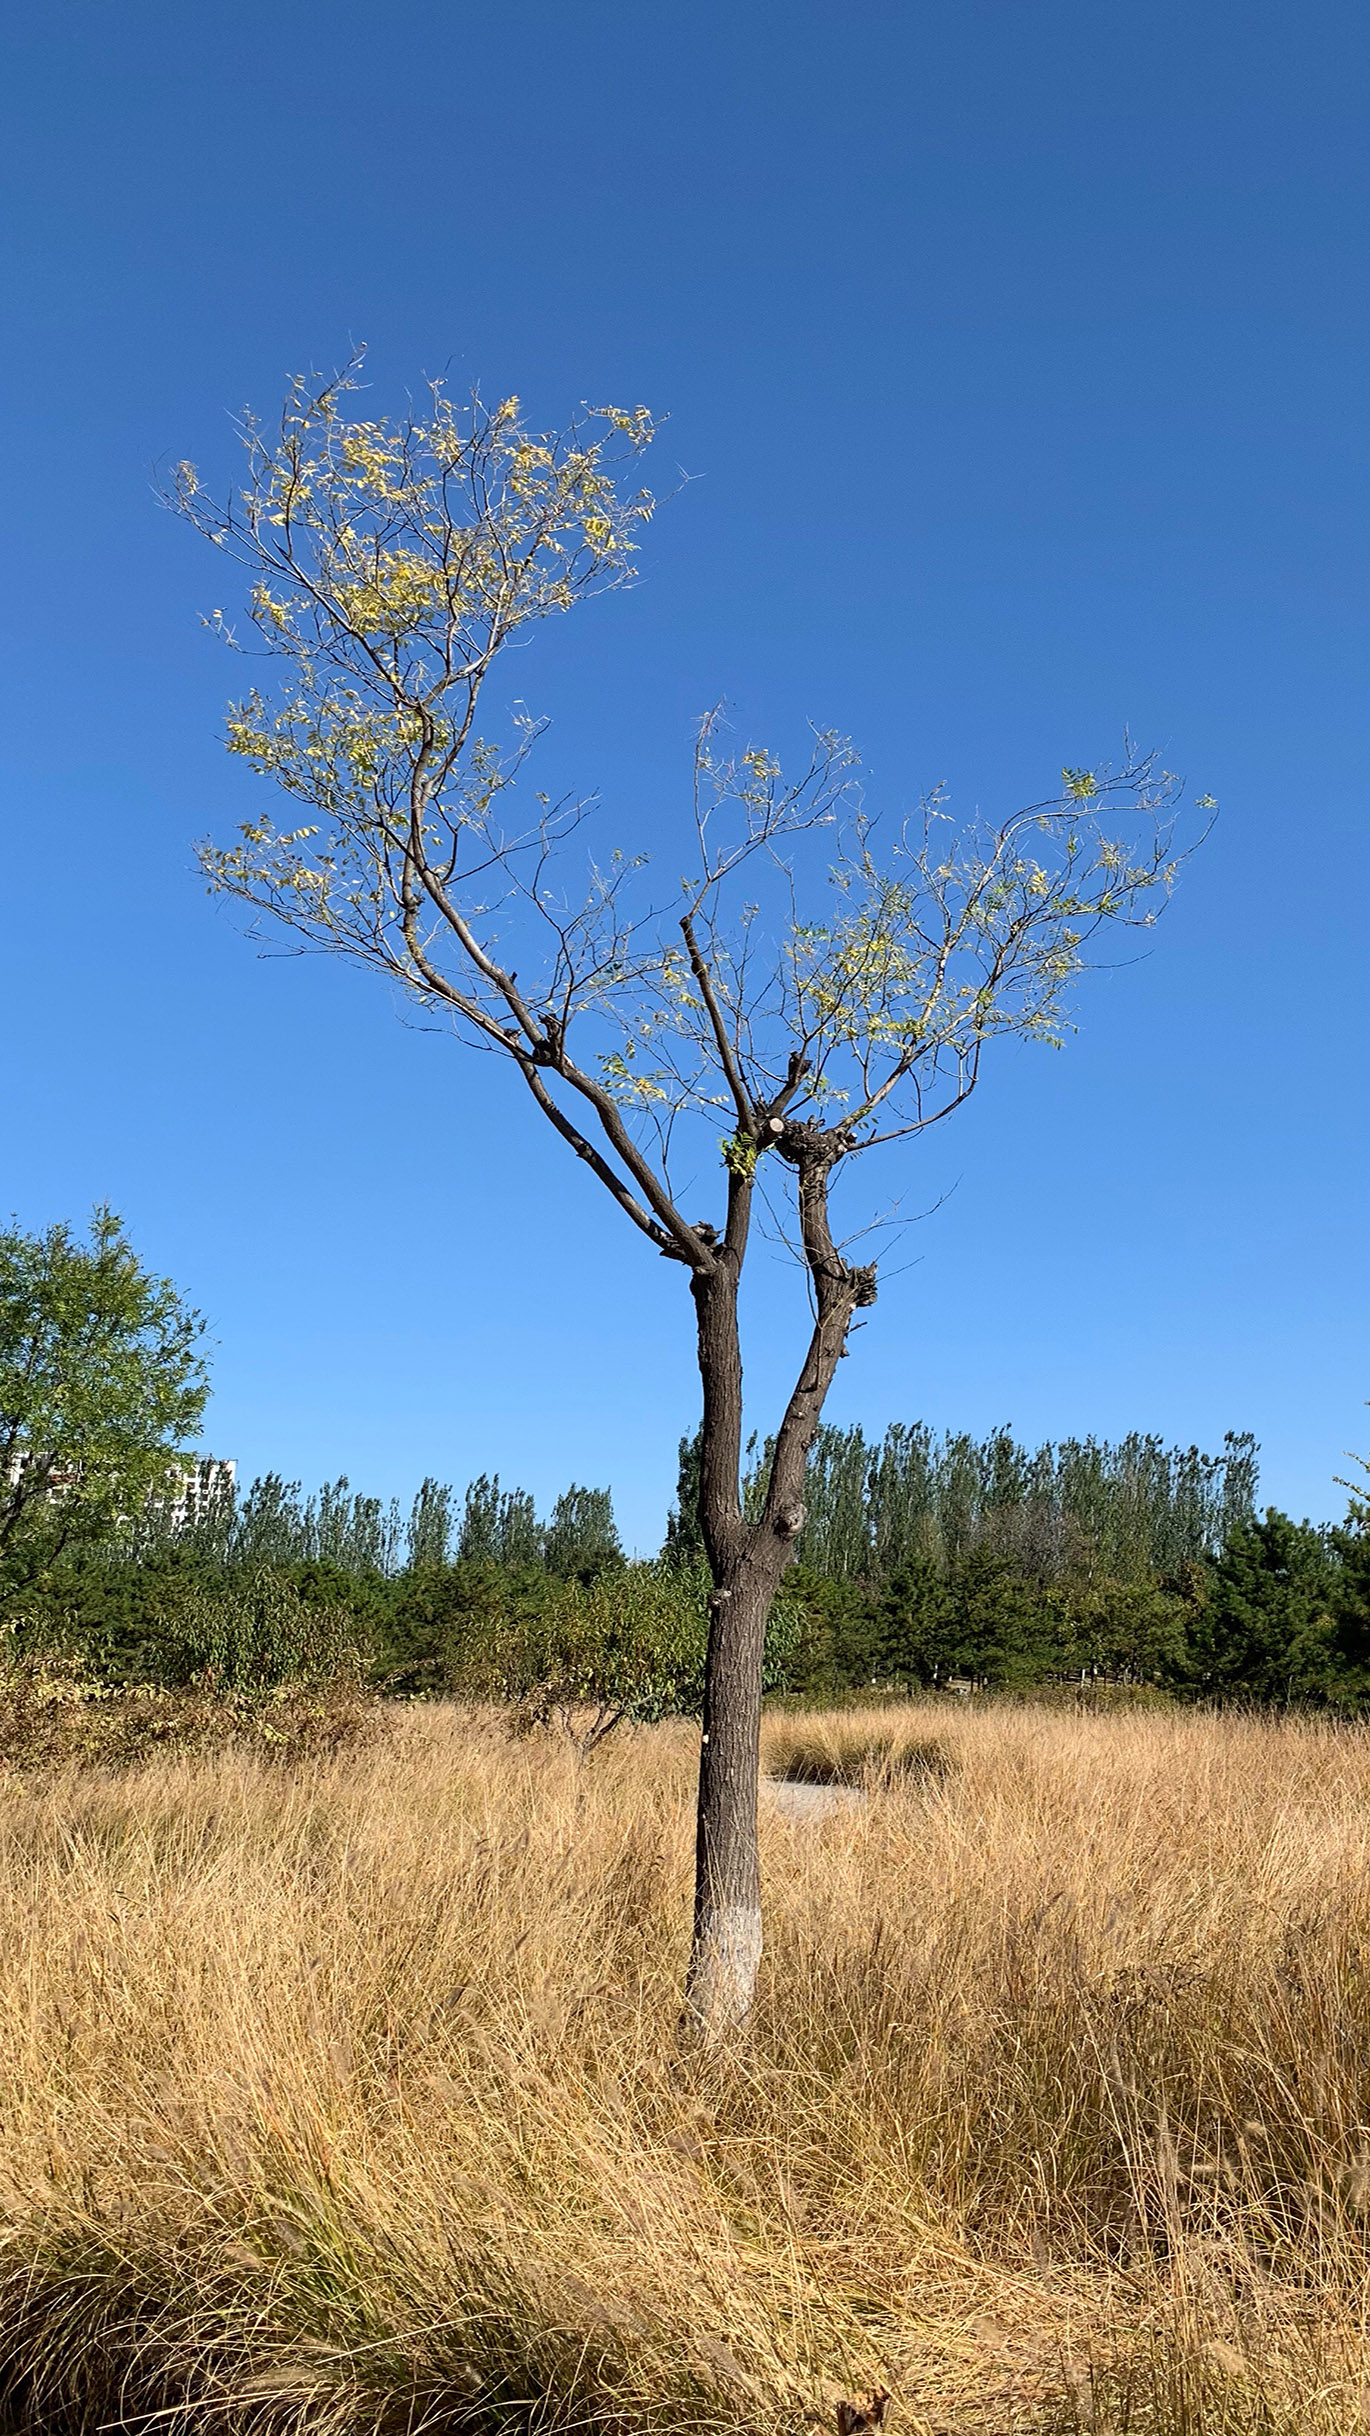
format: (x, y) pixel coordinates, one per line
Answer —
(814, 989)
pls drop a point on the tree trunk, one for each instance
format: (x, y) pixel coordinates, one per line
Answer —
(726, 1948)
(747, 1562)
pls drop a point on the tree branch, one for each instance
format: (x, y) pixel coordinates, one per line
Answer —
(745, 1111)
(657, 1234)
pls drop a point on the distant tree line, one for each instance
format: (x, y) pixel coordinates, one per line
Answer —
(274, 1524)
(925, 1560)
(929, 1560)
(1130, 1512)
(475, 1594)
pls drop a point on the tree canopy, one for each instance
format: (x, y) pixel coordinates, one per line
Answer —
(812, 967)
(102, 1381)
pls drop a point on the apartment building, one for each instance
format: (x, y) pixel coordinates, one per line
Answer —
(196, 1484)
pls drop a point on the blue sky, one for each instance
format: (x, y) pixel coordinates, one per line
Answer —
(1019, 353)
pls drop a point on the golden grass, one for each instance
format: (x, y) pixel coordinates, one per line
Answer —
(868, 1749)
(352, 2098)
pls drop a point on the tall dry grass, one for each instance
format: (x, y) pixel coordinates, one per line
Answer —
(352, 2098)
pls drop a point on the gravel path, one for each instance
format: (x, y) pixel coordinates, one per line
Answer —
(806, 1802)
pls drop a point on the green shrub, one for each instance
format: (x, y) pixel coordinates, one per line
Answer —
(626, 1644)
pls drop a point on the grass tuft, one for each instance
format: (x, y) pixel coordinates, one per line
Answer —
(868, 1750)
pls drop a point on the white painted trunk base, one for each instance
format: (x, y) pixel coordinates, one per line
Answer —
(723, 1967)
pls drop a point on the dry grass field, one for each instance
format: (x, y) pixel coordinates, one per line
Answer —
(351, 2096)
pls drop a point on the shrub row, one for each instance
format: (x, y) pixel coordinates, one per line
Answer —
(1282, 1616)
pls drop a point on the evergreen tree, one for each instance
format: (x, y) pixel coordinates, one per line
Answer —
(915, 1626)
(1003, 1632)
(1351, 1600)
(1351, 1609)
(1267, 1629)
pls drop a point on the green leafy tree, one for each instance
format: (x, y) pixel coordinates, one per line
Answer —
(1137, 1631)
(592, 1652)
(102, 1381)
(1127, 1512)
(251, 1631)
(814, 989)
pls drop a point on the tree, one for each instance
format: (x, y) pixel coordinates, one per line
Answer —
(1002, 1627)
(590, 1652)
(915, 1626)
(101, 1383)
(498, 1526)
(430, 1524)
(813, 990)
(1267, 1629)
(582, 1536)
(1358, 1512)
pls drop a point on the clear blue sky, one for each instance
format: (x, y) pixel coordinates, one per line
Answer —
(1020, 352)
